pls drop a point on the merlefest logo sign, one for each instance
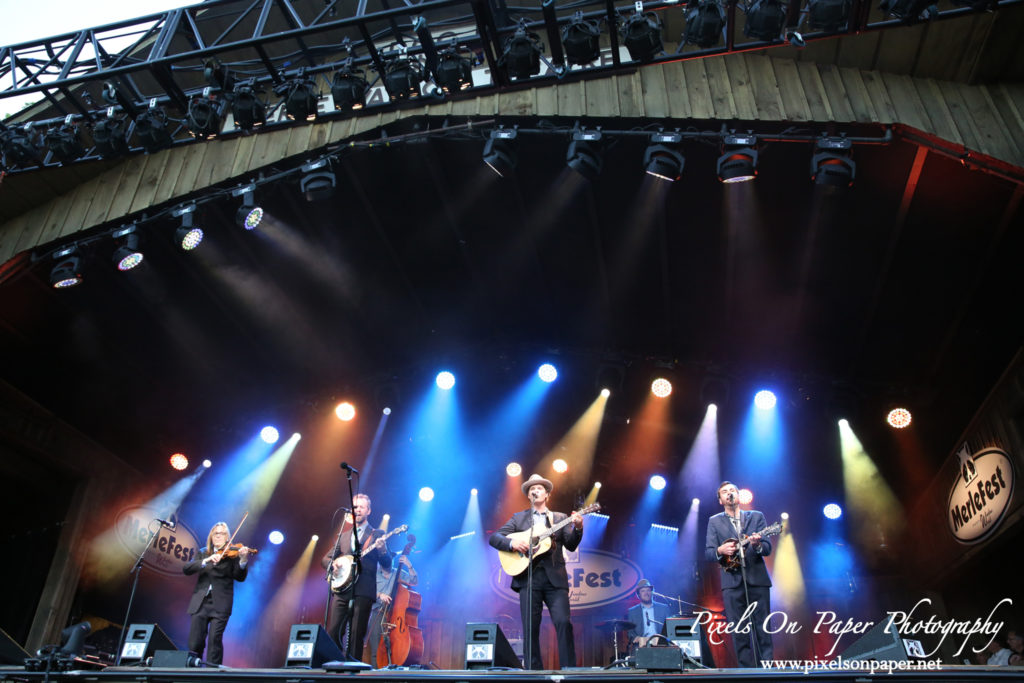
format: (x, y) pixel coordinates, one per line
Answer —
(596, 578)
(168, 552)
(981, 494)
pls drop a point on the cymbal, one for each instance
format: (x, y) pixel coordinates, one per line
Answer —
(615, 625)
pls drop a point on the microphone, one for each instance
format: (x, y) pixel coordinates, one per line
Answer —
(167, 524)
(352, 470)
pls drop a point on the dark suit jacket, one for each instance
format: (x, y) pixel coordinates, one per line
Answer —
(221, 576)
(568, 536)
(366, 584)
(636, 615)
(720, 530)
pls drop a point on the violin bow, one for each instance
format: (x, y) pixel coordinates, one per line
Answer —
(228, 545)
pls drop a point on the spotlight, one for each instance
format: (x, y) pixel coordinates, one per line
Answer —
(66, 273)
(64, 143)
(704, 23)
(300, 98)
(765, 20)
(664, 161)
(218, 76)
(247, 109)
(513, 469)
(402, 77)
(349, 88)
(695, 502)
(738, 162)
(386, 411)
(426, 494)
(784, 516)
(909, 10)
(585, 155)
(499, 151)
(151, 129)
(20, 147)
(606, 393)
(657, 482)
(581, 39)
(832, 164)
(203, 119)
(188, 236)
(249, 214)
(269, 434)
(597, 484)
(832, 511)
(127, 255)
(898, 418)
(661, 387)
(275, 537)
(746, 497)
(179, 461)
(453, 72)
(109, 137)
(560, 466)
(764, 400)
(345, 411)
(547, 373)
(828, 15)
(445, 380)
(472, 492)
(207, 464)
(522, 54)
(317, 180)
(642, 36)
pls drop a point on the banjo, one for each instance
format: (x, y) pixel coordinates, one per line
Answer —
(341, 573)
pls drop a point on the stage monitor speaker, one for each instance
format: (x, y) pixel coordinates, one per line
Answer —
(682, 633)
(884, 644)
(141, 641)
(487, 648)
(668, 658)
(175, 659)
(310, 646)
(10, 651)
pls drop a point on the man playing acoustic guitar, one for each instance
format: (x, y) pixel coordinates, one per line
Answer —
(550, 580)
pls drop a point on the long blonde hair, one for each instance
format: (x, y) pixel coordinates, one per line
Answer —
(209, 537)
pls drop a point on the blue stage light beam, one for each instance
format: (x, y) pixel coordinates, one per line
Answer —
(702, 470)
(378, 436)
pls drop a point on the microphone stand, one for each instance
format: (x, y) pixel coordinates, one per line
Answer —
(746, 593)
(357, 565)
(135, 571)
(528, 652)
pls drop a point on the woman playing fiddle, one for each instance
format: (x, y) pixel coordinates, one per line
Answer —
(218, 567)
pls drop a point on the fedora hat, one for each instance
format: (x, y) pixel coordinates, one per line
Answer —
(537, 479)
(644, 583)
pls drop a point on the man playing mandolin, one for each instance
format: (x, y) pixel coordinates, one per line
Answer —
(550, 580)
(727, 532)
(351, 600)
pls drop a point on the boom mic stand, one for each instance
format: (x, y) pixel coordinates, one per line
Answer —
(528, 652)
(136, 571)
(746, 593)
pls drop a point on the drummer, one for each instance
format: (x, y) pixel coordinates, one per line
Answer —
(648, 616)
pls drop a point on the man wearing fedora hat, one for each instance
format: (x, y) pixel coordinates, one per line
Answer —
(649, 615)
(550, 580)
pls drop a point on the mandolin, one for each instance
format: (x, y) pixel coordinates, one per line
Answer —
(731, 563)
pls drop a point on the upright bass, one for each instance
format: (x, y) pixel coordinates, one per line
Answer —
(401, 640)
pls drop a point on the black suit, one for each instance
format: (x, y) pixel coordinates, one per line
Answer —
(550, 586)
(721, 529)
(352, 605)
(211, 603)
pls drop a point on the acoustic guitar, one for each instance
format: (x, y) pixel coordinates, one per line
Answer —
(515, 563)
(731, 563)
(344, 575)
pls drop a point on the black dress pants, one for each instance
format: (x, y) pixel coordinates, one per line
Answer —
(735, 604)
(207, 621)
(557, 600)
(349, 612)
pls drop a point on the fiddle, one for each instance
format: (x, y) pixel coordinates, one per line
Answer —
(231, 550)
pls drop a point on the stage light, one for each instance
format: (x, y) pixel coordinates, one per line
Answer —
(109, 137)
(275, 537)
(657, 482)
(349, 88)
(597, 484)
(764, 400)
(500, 152)
(179, 461)
(20, 146)
(445, 380)
(581, 39)
(784, 516)
(828, 15)
(585, 154)
(127, 254)
(738, 162)
(746, 496)
(560, 466)
(453, 72)
(300, 98)
(386, 411)
(662, 160)
(187, 236)
(704, 23)
(472, 492)
(151, 129)
(832, 164)
(269, 434)
(661, 387)
(641, 35)
(898, 418)
(547, 373)
(426, 494)
(832, 511)
(765, 20)
(606, 393)
(513, 469)
(207, 464)
(249, 214)
(345, 411)
(203, 119)
(910, 10)
(695, 502)
(314, 538)
(402, 77)
(66, 272)
(521, 57)
(64, 143)
(317, 180)
(247, 109)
